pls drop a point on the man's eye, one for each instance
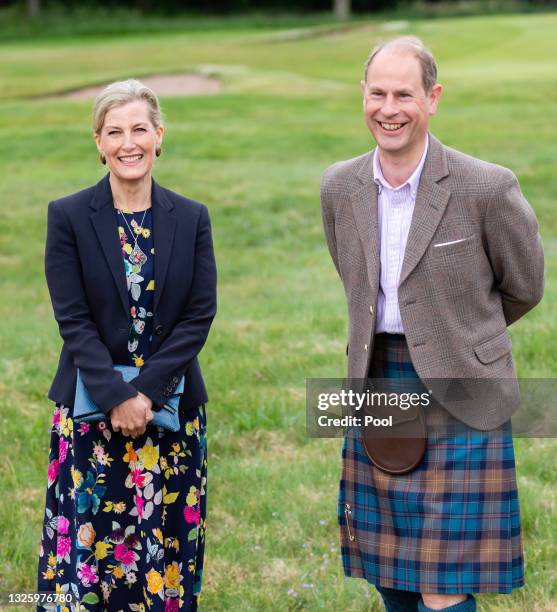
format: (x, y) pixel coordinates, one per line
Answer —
(140, 129)
(112, 132)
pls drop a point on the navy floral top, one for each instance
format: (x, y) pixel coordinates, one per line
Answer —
(139, 258)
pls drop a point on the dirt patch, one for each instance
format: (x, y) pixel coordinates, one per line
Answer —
(164, 85)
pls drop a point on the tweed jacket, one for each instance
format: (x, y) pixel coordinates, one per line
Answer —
(87, 284)
(473, 265)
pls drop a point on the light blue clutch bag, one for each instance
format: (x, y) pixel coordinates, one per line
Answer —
(86, 410)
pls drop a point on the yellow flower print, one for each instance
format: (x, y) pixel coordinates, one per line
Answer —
(150, 286)
(66, 426)
(101, 549)
(191, 498)
(191, 568)
(118, 572)
(149, 456)
(119, 507)
(176, 447)
(172, 576)
(77, 476)
(49, 574)
(131, 455)
(127, 248)
(154, 581)
(139, 361)
(51, 559)
(163, 463)
(158, 534)
(146, 232)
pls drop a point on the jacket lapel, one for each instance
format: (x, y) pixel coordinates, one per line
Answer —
(431, 201)
(164, 228)
(104, 222)
(364, 207)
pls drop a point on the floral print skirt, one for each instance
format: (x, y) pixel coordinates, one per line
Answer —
(124, 525)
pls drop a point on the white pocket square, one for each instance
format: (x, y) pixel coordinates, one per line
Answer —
(442, 244)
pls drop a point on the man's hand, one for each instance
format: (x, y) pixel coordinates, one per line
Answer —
(131, 417)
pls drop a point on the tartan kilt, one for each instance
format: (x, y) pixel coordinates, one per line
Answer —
(450, 526)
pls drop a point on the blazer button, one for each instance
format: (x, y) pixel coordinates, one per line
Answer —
(365, 347)
(158, 329)
(371, 310)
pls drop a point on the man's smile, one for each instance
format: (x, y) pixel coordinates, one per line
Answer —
(391, 127)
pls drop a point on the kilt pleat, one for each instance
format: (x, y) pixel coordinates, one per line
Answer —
(450, 526)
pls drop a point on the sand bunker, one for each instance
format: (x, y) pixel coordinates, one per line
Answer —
(164, 85)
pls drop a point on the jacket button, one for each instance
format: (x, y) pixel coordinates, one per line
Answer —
(158, 329)
(371, 310)
(365, 347)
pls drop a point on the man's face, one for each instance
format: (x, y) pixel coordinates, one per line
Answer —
(396, 107)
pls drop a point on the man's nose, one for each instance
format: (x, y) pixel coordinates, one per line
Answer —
(390, 106)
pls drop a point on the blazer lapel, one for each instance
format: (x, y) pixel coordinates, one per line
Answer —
(164, 228)
(364, 207)
(431, 201)
(104, 222)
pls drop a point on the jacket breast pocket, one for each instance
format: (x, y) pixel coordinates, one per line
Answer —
(493, 349)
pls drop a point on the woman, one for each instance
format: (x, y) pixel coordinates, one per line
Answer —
(131, 274)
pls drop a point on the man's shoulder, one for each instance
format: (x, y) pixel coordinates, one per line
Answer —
(473, 170)
(342, 174)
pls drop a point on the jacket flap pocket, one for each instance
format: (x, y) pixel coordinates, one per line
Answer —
(494, 348)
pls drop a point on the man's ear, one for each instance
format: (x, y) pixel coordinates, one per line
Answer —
(434, 97)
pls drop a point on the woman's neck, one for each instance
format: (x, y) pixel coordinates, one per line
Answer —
(134, 196)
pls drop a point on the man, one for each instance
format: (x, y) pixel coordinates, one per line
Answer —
(438, 253)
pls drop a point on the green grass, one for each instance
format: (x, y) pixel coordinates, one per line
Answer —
(254, 155)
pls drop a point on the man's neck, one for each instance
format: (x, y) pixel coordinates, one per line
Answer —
(131, 195)
(398, 168)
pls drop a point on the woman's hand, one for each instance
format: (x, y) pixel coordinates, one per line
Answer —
(131, 417)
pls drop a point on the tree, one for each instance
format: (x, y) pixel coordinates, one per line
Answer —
(33, 7)
(342, 9)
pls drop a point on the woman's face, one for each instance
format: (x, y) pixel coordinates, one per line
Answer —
(128, 140)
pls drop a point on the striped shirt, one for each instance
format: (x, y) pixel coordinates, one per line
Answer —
(394, 215)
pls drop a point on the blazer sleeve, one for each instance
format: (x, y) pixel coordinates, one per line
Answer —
(327, 215)
(514, 248)
(164, 368)
(71, 310)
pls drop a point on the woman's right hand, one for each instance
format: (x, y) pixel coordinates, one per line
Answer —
(131, 416)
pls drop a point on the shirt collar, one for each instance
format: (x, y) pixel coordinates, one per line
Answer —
(413, 181)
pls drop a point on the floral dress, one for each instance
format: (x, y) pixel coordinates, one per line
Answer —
(124, 524)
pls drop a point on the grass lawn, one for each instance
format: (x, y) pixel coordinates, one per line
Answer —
(254, 154)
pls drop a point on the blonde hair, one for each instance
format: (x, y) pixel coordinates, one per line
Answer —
(413, 45)
(123, 92)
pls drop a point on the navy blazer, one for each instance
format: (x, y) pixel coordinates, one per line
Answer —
(87, 284)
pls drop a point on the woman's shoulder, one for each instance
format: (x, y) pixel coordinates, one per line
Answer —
(81, 198)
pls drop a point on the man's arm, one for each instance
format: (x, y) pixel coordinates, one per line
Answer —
(514, 248)
(327, 215)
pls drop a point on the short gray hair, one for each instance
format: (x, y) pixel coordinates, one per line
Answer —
(123, 92)
(413, 45)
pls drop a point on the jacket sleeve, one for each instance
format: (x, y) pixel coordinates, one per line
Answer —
(71, 310)
(514, 248)
(327, 215)
(162, 371)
